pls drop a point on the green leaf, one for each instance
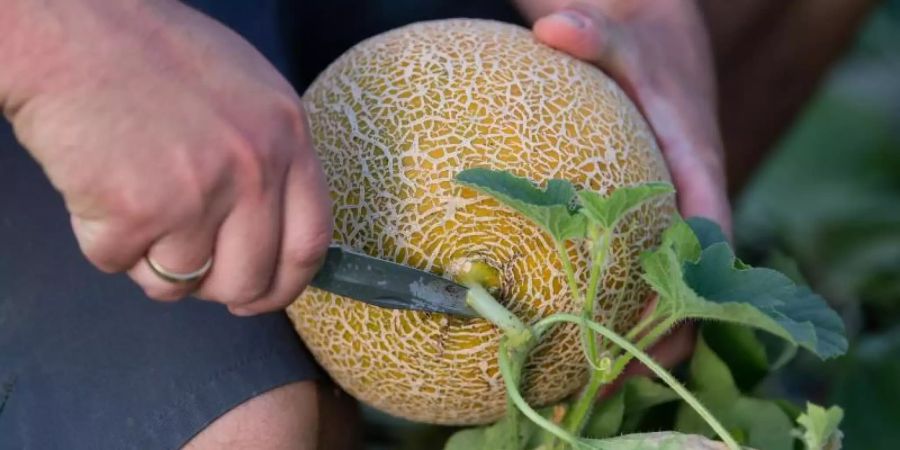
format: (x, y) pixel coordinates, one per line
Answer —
(708, 373)
(741, 350)
(820, 427)
(607, 417)
(506, 434)
(755, 422)
(467, 439)
(655, 441)
(608, 210)
(623, 411)
(801, 316)
(707, 231)
(662, 267)
(715, 286)
(866, 387)
(552, 208)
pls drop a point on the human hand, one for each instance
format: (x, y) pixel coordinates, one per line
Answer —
(170, 137)
(657, 51)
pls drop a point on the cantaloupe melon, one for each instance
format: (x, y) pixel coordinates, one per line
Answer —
(394, 119)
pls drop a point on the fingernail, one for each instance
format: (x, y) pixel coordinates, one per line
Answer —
(573, 18)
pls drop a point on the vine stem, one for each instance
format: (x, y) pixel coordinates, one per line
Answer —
(510, 369)
(569, 269)
(663, 374)
(488, 307)
(639, 328)
(599, 252)
(576, 418)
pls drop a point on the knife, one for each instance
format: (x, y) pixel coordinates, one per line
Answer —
(389, 285)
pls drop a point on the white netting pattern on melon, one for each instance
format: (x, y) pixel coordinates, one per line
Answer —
(394, 120)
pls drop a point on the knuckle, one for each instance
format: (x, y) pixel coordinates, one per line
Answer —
(101, 247)
(261, 161)
(254, 165)
(132, 208)
(238, 294)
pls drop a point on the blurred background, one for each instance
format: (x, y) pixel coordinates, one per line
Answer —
(825, 206)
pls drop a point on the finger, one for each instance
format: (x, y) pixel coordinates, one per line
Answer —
(696, 166)
(246, 249)
(700, 188)
(307, 233)
(185, 250)
(111, 246)
(587, 35)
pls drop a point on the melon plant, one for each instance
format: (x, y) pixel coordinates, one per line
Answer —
(394, 120)
(466, 148)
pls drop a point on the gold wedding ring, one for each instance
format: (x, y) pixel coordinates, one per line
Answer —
(176, 277)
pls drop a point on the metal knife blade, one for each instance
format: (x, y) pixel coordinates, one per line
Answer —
(388, 284)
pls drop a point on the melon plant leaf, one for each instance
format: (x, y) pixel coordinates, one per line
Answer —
(801, 313)
(714, 285)
(655, 441)
(758, 423)
(467, 439)
(820, 427)
(622, 412)
(707, 231)
(508, 433)
(608, 210)
(741, 350)
(553, 208)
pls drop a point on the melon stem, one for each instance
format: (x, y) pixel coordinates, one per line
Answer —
(489, 308)
(599, 252)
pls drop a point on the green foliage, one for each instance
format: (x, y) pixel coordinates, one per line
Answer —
(552, 208)
(866, 386)
(716, 286)
(828, 199)
(609, 210)
(623, 411)
(696, 276)
(819, 427)
(503, 435)
(740, 349)
(755, 422)
(656, 441)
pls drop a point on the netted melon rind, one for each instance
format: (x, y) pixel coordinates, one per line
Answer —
(394, 120)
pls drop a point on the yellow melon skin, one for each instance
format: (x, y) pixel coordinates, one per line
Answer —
(394, 120)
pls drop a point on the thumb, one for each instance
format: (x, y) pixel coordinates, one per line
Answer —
(586, 34)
